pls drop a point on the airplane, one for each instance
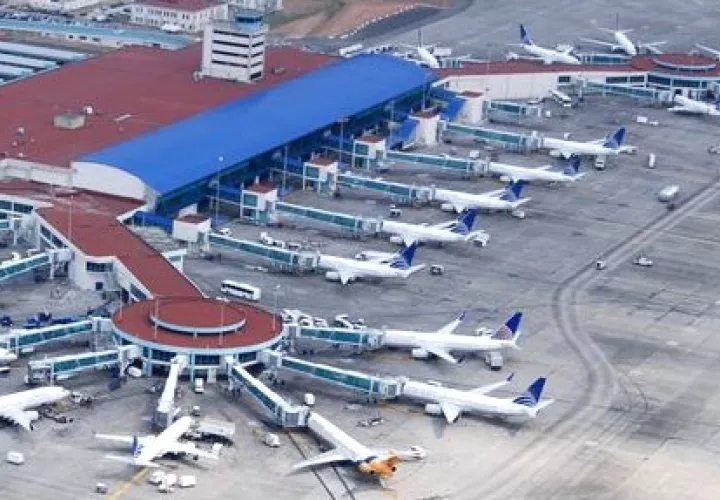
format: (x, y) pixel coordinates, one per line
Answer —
(423, 52)
(548, 56)
(443, 342)
(445, 232)
(347, 270)
(453, 402)
(506, 199)
(686, 105)
(571, 173)
(147, 448)
(714, 52)
(7, 356)
(610, 145)
(622, 42)
(14, 407)
(380, 463)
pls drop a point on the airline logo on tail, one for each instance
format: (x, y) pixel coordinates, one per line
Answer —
(616, 140)
(531, 397)
(513, 190)
(509, 331)
(573, 166)
(525, 37)
(403, 259)
(465, 222)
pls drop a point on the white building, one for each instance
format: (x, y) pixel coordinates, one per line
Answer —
(261, 5)
(59, 5)
(235, 50)
(187, 15)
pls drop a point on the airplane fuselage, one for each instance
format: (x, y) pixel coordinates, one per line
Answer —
(465, 401)
(696, 107)
(577, 148)
(462, 201)
(329, 432)
(528, 174)
(420, 233)
(427, 58)
(550, 56)
(33, 398)
(625, 43)
(450, 342)
(360, 268)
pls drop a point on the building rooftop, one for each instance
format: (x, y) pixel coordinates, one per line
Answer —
(184, 5)
(132, 91)
(189, 150)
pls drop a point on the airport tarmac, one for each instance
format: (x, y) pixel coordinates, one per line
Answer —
(629, 352)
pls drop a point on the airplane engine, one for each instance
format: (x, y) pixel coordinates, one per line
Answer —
(32, 415)
(433, 409)
(419, 353)
(505, 178)
(332, 276)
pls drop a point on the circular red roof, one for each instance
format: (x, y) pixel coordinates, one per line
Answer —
(137, 320)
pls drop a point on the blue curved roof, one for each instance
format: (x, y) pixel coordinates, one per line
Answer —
(187, 151)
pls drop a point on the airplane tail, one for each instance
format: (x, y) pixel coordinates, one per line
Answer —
(525, 36)
(615, 140)
(403, 259)
(465, 222)
(531, 397)
(572, 168)
(510, 330)
(513, 191)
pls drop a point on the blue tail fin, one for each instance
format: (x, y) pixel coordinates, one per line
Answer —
(573, 166)
(531, 397)
(403, 259)
(465, 222)
(513, 190)
(525, 36)
(616, 140)
(508, 331)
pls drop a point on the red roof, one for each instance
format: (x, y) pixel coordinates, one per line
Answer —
(186, 5)
(101, 235)
(132, 91)
(371, 138)
(322, 161)
(192, 218)
(262, 188)
(259, 327)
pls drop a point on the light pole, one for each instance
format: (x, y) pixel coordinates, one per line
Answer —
(276, 291)
(342, 139)
(217, 190)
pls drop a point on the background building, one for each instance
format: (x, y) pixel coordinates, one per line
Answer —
(261, 5)
(188, 15)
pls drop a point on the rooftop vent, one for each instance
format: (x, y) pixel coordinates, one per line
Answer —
(69, 121)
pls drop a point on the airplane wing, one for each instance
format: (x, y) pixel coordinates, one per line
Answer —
(452, 326)
(496, 193)
(544, 404)
(113, 437)
(440, 353)
(328, 457)
(486, 389)
(544, 168)
(451, 412)
(18, 417)
(599, 42)
(132, 461)
(345, 273)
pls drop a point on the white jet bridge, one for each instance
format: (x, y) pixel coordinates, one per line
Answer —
(62, 367)
(166, 411)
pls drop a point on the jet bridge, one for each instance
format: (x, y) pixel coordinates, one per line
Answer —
(368, 385)
(20, 339)
(341, 221)
(351, 337)
(60, 367)
(283, 413)
(506, 140)
(400, 192)
(286, 259)
(445, 162)
(166, 411)
(13, 268)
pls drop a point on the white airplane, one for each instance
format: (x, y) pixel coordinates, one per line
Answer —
(147, 448)
(423, 52)
(7, 356)
(347, 270)
(442, 343)
(714, 52)
(622, 42)
(506, 199)
(375, 462)
(453, 402)
(610, 145)
(548, 56)
(571, 173)
(14, 407)
(445, 232)
(686, 105)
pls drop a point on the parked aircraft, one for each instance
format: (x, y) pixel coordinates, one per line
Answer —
(15, 407)
(571, 173)
(7, 356)
(610, 145)
(347, 270)
(424, 52)
(686, 105)
(713, 52)
(145, 449)
(622, 42)
(445, 232)
(453, 402)
(548, 56)
(442, 343)
(375, 462)
(506, 199)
